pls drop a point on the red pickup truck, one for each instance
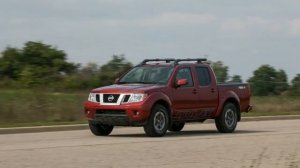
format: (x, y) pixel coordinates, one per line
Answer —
(164, 94)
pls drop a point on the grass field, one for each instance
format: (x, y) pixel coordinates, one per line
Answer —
(274, 105)
(33, 108)
(26, 108)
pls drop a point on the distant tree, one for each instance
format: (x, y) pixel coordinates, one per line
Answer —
(35, 64)
(10, 64)
(221, 71)
(39, 54)
(281, 82)
(294, 90)
(87, 77)
(236, 79)
(113, 69)
(267, 81)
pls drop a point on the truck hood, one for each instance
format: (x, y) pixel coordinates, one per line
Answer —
(129, 88)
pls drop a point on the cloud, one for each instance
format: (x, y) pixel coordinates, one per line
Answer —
(250, 24)
(163, 20)
(294, 27)
(178, 19)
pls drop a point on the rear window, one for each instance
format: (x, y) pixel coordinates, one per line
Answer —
(203, 76)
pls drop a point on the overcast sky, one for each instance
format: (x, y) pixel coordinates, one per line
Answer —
(244, 34)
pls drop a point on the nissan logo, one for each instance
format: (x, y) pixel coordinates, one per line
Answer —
(110, 98)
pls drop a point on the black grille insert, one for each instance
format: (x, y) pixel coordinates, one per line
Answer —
(111, 112)
(126, 98)
(97, 97)
(110, 98)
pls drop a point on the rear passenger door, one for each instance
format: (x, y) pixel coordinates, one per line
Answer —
(208, 93)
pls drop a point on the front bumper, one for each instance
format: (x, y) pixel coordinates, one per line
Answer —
(133, 114)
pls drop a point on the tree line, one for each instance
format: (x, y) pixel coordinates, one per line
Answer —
(38, 65)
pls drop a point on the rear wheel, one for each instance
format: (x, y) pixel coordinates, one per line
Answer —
(176, 126)
(227, 121)
(158, 122)
(99, 129)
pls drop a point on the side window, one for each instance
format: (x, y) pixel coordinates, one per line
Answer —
(203, 76)
(185, 73)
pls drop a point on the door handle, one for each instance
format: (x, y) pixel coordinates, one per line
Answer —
(194, 91)
(212, 90)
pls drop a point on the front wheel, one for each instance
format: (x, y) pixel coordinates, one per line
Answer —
(227, 121)
(99, 129)
(158, 122)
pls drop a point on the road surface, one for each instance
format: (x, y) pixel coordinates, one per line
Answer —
(256, 144)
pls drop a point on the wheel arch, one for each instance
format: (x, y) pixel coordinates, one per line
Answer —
(167, 106)
(231, 97)
(149, 128)
(163, 99)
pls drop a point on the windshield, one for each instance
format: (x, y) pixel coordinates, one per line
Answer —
(147, 75)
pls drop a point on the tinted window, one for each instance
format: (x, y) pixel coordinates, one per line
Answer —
(203, 76)
(185, 73)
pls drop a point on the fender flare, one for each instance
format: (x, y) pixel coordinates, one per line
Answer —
(229, 96)
(158, 97)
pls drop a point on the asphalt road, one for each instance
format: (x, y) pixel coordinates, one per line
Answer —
(255, 144)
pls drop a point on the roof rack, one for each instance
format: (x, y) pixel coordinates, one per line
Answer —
(199, 60)
(168, 60)
(176, 61)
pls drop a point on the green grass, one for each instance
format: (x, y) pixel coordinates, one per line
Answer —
(274, 105)
(27, 107)
(255, 113)
(39, 107)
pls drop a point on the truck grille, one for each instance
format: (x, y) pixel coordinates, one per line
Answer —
(110, 98)
(112, 117)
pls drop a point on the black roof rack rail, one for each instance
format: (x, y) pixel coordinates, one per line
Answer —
(176, 61)
(199, 60)
(167, 60)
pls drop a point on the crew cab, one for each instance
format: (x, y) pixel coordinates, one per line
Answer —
(164, 94)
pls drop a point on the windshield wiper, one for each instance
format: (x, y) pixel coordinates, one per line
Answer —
(122, 83)
(150, 82)
(141, 82)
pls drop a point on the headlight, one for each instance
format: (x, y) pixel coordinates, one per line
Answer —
(134, 98)
(92, 97)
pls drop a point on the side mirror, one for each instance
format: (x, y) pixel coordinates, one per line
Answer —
(181, 82)
(117, 80)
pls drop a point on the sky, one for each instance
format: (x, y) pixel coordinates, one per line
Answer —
(243, 34)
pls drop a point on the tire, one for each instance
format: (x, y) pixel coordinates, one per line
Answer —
(158, 122)
(99, 129)
(227, 121)
(176, 126)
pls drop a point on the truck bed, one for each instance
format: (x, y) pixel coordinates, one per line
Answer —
(242, 90)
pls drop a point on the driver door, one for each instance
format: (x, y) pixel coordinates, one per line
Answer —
(185, 98)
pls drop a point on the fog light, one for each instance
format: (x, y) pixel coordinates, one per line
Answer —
(88, 112)
(136, 113)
